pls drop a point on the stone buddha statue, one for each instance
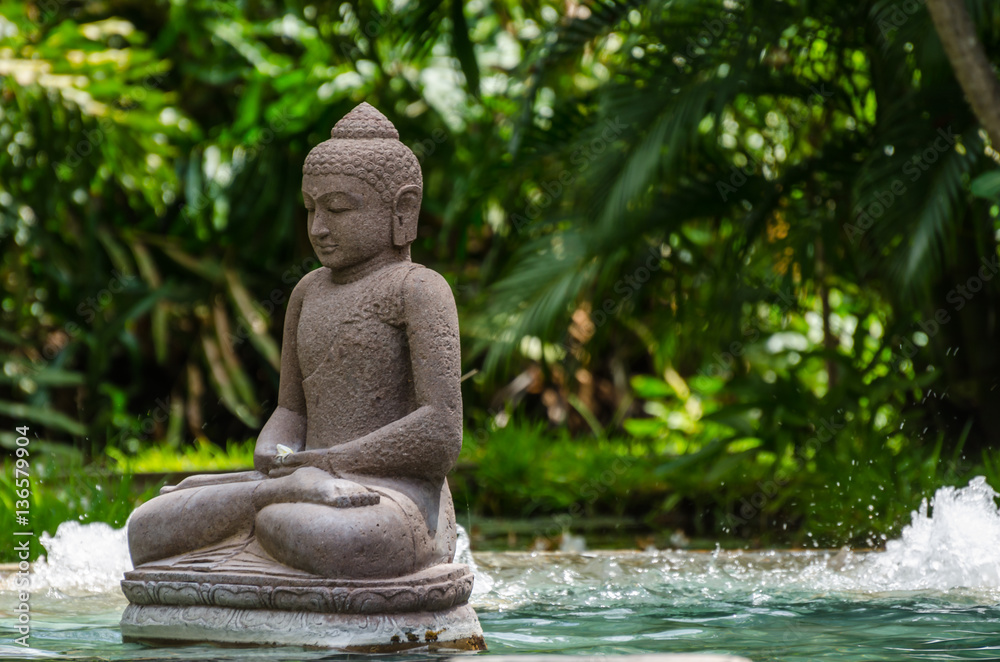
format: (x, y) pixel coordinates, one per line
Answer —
(370, 407)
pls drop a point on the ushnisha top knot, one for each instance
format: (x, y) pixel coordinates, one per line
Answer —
(364, 123)
(366, 145)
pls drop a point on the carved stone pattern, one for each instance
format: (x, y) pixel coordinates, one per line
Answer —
(325, 599)
(394, 165)
(364, 122)
(366, 145)
(224, 624)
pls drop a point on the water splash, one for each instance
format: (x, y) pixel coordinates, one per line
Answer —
(950, 550)
(933, 594)
(91, 558)
(80, 559)
(951, 545)
(483, 583)
(952, 542)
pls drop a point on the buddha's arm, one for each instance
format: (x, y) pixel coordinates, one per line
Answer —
(426, 442)
(287, 425)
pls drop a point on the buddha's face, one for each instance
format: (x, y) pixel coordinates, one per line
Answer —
(349, 223)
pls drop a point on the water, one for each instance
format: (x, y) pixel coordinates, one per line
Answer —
(934, 594)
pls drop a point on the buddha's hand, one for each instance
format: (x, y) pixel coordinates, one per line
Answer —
(287, 464)
(265, 462)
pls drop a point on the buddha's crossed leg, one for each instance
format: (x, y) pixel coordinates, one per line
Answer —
(188, 519)
(308, 520)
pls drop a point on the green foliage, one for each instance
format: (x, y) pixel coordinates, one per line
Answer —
(66, 487)
(692, 234)
(986, 185)
(526, 470)
(767, 472)
(150, 189)
(774, 201)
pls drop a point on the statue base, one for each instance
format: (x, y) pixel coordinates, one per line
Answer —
(233, 594)
(456, 628)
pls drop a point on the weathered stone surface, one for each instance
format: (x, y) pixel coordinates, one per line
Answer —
(433, 589)
(358, 518)
(456, 628)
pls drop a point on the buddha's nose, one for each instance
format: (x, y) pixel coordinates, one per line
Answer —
(319, 228)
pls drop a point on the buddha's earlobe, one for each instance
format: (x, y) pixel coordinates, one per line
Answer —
(405, 211)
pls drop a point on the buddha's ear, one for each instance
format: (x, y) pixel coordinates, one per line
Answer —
(405, 211)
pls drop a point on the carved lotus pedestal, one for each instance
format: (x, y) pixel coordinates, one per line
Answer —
(250, 600)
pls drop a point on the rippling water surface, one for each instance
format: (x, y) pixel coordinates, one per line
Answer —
(932, 595)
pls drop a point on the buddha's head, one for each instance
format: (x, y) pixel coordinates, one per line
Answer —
(362, 189)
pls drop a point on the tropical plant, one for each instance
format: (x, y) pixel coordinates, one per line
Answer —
(698, 230)
(773, 192)
(149, 201)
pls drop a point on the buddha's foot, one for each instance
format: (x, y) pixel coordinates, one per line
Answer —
(202, 480)
(312, 485)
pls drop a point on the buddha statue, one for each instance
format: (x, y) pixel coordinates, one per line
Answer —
(348, 490)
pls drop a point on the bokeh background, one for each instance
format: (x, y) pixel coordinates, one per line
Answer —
(726, 270)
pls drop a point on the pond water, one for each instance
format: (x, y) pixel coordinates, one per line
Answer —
(934, 594)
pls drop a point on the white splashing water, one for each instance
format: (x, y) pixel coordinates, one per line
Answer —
(952, 543)
(80, 559)
(483, 583)
(92, 558)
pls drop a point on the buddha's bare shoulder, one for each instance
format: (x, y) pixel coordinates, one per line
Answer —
(423, 286)
(308, 283)
(427, 297)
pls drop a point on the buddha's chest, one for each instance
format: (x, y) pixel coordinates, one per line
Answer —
(354, 358)
(349, 330)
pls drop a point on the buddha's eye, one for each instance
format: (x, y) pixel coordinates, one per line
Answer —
(338, 202)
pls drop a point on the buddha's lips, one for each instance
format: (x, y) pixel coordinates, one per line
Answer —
(326, 248)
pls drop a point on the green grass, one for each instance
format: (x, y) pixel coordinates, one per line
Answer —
(523, 470)
(201, 456)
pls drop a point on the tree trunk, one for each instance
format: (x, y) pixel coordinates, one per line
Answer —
(972, 69)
